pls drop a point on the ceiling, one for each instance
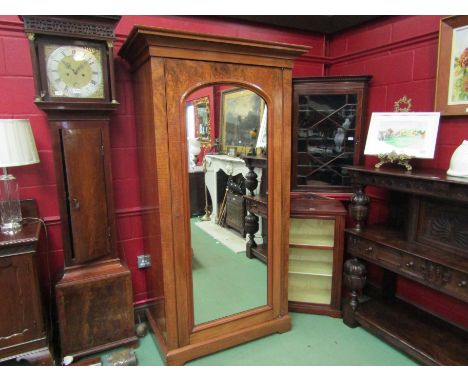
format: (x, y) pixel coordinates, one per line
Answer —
(313, 23)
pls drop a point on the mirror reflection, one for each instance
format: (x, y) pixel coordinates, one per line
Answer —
(227, 165)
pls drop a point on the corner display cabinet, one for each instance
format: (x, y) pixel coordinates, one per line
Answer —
(74, 85)
(328, 131)
(168, 66)
(316, 237)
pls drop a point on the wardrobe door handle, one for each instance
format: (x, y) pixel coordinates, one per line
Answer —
(75, 204)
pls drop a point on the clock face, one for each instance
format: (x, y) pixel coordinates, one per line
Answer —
(74, 71)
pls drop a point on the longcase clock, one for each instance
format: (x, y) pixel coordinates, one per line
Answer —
(74, 85)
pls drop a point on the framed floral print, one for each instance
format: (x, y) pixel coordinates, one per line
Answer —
(410, 134)
(452, 69)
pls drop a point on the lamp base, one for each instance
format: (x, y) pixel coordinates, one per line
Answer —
(10, 228)
(10, 208)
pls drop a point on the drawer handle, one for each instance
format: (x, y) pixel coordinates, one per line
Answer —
(409, 264)
(368, 250)
(462, 284)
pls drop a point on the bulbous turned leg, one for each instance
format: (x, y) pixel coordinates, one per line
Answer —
(251, 227)
(358, 208)
(251, 181)
(354, 279)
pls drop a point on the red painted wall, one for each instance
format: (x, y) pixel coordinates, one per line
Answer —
(401, 55)
(38, 181)
(400, 52)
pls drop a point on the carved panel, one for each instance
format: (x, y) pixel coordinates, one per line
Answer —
(413, 185)
(47, 24)
(435, 274)
(444, 226)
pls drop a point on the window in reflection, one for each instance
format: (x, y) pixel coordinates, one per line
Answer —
(227, 162)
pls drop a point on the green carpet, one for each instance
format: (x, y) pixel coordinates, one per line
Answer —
(224, 282)
(314, 340)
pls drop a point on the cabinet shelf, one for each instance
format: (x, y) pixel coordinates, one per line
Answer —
(313, 268)
(425, 337)
(312, 241)
(315, 252)
(395, 240)
(309, 246)
(310, 288)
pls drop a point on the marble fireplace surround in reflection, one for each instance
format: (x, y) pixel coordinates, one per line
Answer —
(232, 166)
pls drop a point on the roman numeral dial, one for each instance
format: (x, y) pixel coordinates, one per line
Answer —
(74, 71)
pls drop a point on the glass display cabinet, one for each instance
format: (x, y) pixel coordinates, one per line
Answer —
(328, 120)
(316, 255)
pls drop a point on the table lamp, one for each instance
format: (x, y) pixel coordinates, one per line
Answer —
(17, 148)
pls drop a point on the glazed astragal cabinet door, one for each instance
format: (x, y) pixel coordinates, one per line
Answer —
(328, 131)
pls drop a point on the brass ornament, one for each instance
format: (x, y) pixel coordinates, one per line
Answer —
(393, 157)
(403, 105)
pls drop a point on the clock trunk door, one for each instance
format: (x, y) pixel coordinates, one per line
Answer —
(86, 193)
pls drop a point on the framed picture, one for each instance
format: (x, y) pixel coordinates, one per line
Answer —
(413, 134)
(241, 113)
(452, 69)
(202, 120)
(231, 151)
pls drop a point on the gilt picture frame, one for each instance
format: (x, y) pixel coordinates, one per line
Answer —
(202, 120)
(241, 111)
(451, 96)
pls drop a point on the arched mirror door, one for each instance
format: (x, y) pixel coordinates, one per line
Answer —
(227, 152)
(213, 117)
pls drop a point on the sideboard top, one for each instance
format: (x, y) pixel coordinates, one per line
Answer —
(434, 175)
(428, 182)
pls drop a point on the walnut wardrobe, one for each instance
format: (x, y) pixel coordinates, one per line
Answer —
(190, 316)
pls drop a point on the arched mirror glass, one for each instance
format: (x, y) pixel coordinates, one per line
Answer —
(226, 129)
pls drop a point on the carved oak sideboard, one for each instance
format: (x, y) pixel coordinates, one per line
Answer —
(425, 239)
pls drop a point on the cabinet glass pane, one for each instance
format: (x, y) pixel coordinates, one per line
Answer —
(311, 261)
(310, 275)
(312, 232)
(310, 288)
(326, 133)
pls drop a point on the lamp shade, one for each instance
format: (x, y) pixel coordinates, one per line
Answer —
(17, 146)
